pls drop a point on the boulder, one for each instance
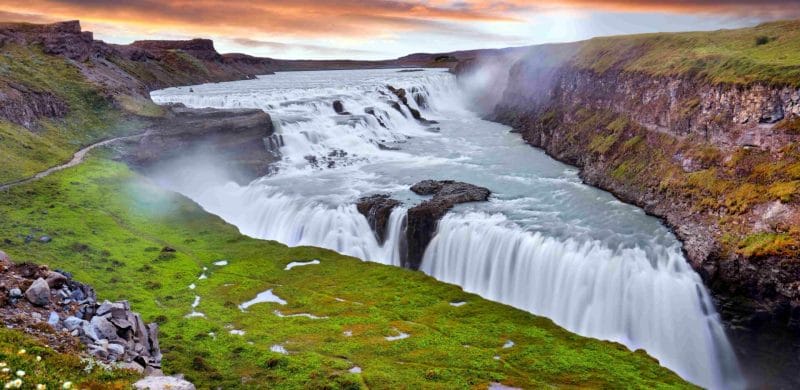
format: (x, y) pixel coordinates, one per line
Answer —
(38, 293)
(423, 219)
(56, 280)
(104, 328)
(338, 106)
(163, 382)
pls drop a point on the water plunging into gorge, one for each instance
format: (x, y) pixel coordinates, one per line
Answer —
(545, 242)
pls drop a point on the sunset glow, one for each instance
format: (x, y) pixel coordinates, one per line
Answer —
(387, 28)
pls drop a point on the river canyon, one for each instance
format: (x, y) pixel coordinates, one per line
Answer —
(545, 242)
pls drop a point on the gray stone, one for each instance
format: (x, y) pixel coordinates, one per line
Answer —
(15, 293)
(104, 308)
(116, 349)
(104, 328)
(89, 331)
(38, 293)
(45, 239)
(54, 319)
(72, 323)
(163, 382)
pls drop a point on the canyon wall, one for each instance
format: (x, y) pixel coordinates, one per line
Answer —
(718, 161)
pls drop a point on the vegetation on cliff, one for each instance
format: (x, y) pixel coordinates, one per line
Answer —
(135, 241)
(767, 53)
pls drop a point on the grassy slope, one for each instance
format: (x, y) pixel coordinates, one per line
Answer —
(109, 226)
(91, 117)
(53, 369)
(766, 53)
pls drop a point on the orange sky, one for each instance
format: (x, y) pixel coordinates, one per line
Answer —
(388, 28)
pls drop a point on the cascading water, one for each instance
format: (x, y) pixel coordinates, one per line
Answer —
(545, 242)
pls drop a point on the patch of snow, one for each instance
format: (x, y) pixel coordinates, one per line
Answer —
(279, 349)
(398, 337)
(195, 314)
(266, 296)
(300, 264)
(355, 370)
(221, 263)
(313, 317)
(196, 301)
(237, 332)
(202, 276)
(192, 286)
(457, 304)
(496, 357)
(213, 335)
(508, 344)
(339, 300)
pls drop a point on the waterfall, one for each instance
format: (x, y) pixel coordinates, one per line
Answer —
(606, 282)
(654, 302)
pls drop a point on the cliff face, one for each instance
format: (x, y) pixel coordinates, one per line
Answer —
(718, 161)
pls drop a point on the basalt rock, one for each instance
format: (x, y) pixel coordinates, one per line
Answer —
(377, 209)
(402, 95)
(338, 106)
(423, 219)
(242, 139)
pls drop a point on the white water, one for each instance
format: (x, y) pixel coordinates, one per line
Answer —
(545, 242)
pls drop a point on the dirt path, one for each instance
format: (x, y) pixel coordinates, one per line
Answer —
(77, 158)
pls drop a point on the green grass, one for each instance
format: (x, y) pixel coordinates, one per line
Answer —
(24, 152)
(740, 56)
(109, 226)
(42, 365)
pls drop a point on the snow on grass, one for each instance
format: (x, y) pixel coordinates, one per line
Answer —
(300, 264)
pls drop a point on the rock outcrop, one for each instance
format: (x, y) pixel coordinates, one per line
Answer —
(69, 309)
(243, 139)
(377, 209)
(422, 219)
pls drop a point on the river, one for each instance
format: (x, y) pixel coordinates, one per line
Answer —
(545, 242)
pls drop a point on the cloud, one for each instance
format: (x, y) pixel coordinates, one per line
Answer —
(283, 47)
(364, 24)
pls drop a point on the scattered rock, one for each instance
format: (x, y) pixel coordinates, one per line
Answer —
(38, 293)
(45, 239)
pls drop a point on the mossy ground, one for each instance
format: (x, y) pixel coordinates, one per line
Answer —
(41, 365)
(109, 226)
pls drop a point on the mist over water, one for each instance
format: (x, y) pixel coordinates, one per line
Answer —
(545, 242)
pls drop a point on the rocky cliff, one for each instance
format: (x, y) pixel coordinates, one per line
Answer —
(708, 142)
